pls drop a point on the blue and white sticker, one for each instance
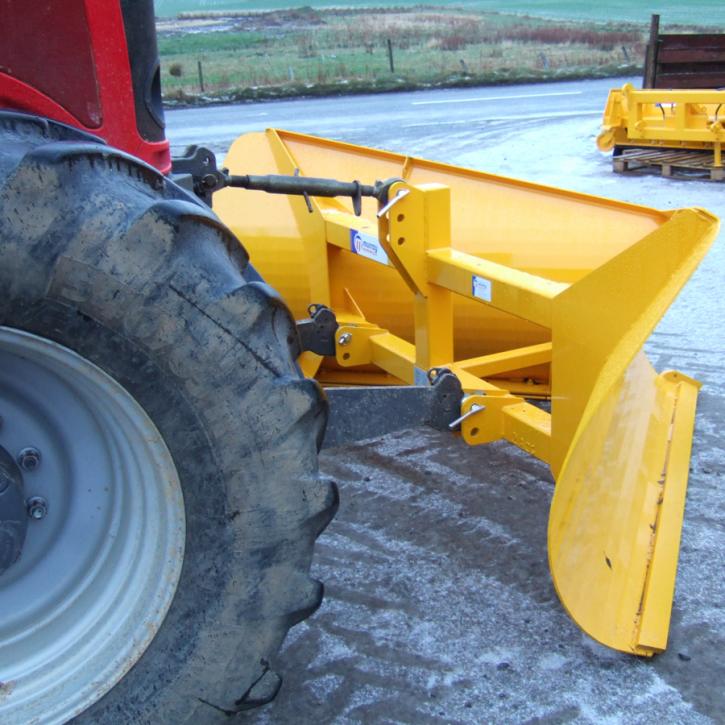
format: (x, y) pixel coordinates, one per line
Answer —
(367, 245)
(481, 288)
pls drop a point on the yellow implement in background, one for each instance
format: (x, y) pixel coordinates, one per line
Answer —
(525, 293)
(687, 119)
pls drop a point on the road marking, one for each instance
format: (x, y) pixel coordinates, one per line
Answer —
(498, 98)
(337, 129)
(518, 117)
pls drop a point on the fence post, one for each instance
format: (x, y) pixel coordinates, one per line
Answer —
(201, 76)
(390, 56)
(650, 58)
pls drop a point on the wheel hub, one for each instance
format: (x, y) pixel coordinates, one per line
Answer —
(104, 515)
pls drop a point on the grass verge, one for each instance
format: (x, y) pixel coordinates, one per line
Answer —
(229, 57)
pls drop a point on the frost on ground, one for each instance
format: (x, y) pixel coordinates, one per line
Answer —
(439, 604)
(440, 609)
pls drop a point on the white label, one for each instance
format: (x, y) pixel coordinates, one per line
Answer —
(367, 245)
(481, 288)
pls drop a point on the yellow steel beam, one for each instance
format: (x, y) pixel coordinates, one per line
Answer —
(340, 230)
(498, 414)
(419, 219)
(529, 428)
(370, 345)
(654, 96)
(502, 362)
(529, 388)
(519, 293)
(395, 356)
(365, 344)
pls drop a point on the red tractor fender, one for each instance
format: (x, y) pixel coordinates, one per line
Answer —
(91, 64)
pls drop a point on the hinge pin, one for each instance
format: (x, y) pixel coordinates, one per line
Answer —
(472, 411)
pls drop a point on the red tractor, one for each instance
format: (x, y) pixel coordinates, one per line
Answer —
(158, 449)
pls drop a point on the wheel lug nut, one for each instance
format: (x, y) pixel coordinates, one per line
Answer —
(37, 507)
(29, 458)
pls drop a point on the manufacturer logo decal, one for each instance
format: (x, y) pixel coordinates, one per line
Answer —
(366, 245)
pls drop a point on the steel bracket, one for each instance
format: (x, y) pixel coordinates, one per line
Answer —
(362, 412)
(197, 172)
(317, 332)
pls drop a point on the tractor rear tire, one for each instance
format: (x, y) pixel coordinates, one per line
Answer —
(103, 256)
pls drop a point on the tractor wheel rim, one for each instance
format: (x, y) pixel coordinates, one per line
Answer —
(99, 570)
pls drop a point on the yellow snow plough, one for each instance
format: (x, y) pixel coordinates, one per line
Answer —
(676, 120)
(673, 120)
(525, 293)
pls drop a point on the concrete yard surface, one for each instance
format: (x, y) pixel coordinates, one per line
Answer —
(440, 608)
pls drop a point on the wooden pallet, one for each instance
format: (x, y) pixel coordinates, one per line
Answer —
(681, 162)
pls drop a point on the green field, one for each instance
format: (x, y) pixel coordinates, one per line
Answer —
(287, 53)
(710, 13)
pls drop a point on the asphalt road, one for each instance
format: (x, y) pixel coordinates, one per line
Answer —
(439, 605)
(424, 119)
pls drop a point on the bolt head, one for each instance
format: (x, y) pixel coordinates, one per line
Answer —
(37, 507)
(29, 458)
(344, 339)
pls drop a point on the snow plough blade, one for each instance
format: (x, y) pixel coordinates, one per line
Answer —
(525, 293)
(616, 514)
